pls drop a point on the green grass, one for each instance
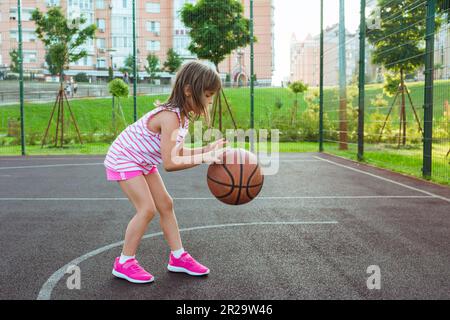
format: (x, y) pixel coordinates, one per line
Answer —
(94, 115)
(405, 161)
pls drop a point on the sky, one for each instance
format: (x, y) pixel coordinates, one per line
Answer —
(302, 17)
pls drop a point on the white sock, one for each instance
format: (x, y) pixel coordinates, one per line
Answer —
(124, 258)
(177, 253)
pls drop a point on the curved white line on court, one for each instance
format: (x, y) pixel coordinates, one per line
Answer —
(47, 288)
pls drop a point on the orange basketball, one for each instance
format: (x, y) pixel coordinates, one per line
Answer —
(238, 180)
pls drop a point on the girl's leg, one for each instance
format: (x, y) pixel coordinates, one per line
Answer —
(139, 194)
(164, 204)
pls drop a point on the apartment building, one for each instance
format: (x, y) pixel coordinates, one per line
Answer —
(305, 57)
(158, 28)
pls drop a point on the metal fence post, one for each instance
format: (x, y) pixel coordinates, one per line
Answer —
(321, 81)
(135, 75)
(428, 100)
(252, 82)
(343, 126)
(362, 80)
(19, 30)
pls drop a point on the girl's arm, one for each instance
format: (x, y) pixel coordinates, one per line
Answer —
(171, 154)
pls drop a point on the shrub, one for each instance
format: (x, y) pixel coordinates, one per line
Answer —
(118, 88)
(81, 77)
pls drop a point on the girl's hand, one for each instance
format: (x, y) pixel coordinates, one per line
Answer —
(216, 144)
(214, 156)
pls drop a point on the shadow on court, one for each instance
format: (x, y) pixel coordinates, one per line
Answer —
(312, 233)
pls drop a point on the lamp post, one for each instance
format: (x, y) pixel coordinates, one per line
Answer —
(111, 50)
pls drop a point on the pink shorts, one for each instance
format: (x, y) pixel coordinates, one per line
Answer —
(112, 175)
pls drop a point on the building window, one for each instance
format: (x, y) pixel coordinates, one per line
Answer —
(153, 45)
(100, 4)
(124, 4)
(101, 43)
(26, 14)
(101, 25)
(124, 23)
(152, 7)
(29, 56)
(27, 36)
(101, 63)
(52, 3)
(153, 26)
(84, 62)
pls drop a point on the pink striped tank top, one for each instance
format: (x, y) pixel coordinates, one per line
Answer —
(138, 148)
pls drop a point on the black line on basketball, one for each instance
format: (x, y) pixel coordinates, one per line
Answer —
(232, 181)
(241, 167)
(229, 185)
(249, 179)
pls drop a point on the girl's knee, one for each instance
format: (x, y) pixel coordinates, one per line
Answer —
(148, 213)
(166, 205)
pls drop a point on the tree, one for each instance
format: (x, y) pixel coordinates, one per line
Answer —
(110, 73)
(62, 37)
(398, 44)
(127, 65)
(296, 87)
(52, 59)
(81, 77)
(173, 61)
(217, 27)
(118, 89)
(391, 84)
(14, 66)
(152, 66)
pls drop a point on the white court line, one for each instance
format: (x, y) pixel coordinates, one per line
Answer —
(212, 198)
(386, 179)
(47, 288)
(101, 163)
(52, 165)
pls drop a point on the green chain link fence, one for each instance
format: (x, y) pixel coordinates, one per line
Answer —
(384, 97)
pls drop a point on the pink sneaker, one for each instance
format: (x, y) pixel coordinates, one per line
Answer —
(186, 264)
(131, 270)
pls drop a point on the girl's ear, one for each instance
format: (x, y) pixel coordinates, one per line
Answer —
(187, 90)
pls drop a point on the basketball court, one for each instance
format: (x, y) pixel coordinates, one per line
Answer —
(312, 233)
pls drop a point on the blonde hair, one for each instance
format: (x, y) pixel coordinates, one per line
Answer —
(200, 78)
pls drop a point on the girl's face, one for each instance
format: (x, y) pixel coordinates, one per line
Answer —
(208, 97)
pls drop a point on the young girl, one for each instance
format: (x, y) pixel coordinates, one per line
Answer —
(132, 158)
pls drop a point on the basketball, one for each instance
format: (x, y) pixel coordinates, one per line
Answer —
(238, 180)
